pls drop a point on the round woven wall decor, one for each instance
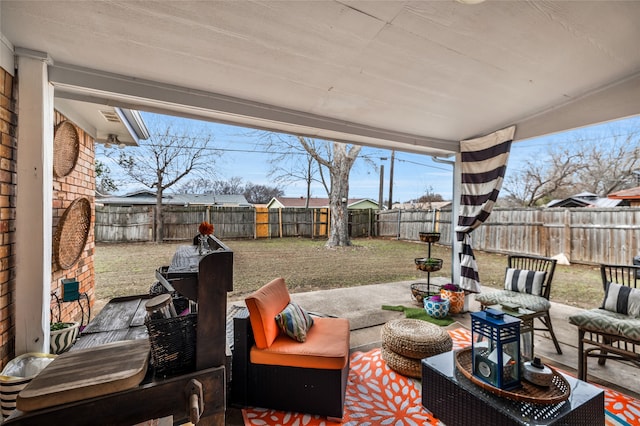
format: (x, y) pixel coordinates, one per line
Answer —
(72, 233)
(66, 147)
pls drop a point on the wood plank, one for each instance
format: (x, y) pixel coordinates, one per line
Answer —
(139, 315)
(87, 373)
(98, 339)
(117, 314)
(147, 401)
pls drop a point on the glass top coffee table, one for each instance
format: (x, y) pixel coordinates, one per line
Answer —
(455, 400)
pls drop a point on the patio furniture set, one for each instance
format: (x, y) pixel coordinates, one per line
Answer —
(287, 359)
(422, 350)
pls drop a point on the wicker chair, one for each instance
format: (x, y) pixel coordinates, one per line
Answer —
(537, 303)
(611, 331)
(284, 374)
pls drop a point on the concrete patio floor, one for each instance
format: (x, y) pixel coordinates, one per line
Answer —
(362, 306)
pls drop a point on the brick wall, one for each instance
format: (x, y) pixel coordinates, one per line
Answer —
(79, 183)
(8, 128)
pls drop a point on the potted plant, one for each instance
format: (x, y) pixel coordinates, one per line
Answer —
(455, 295)
(62, 336)
(429, 264)
(429, 237)
(436, 306)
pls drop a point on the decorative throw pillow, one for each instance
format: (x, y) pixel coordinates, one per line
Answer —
(622, 299)
(524, 281)
(294, 322)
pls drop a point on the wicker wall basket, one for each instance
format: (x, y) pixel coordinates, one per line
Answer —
(72, 233)
(66, 147)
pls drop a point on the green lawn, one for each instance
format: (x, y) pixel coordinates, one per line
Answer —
(126, 269)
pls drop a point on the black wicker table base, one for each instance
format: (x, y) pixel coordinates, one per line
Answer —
(455, 400)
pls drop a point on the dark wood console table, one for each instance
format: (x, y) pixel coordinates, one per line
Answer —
(206, 281)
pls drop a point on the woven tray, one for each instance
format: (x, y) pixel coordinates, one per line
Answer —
(66, 147)
(429, 237)
(428, 267)
(558, 391)
(420, 291)
(72, 233)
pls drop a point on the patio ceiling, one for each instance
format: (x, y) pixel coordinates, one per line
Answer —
(417, 76)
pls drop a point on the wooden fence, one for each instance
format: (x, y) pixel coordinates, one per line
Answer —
(583, 235)
(136, 223)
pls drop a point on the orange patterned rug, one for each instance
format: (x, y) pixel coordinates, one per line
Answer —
(378, 395)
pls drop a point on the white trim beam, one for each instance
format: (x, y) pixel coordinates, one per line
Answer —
(117, 90)
(613, 102)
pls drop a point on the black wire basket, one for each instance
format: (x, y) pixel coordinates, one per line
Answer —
(173, 342)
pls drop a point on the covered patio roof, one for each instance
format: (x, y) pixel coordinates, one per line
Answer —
(417, 76)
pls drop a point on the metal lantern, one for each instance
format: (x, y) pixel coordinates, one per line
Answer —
(496, 348)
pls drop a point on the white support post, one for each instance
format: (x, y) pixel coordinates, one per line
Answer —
(455, 213)
(34, 204)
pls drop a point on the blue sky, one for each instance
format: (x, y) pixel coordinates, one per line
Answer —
(413, 174)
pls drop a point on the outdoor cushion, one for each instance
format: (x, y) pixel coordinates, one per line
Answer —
(326, 347)
(622, 299)
(525, 300)
(524, 281)
(264, 304)
(604, 321)
(294, 321)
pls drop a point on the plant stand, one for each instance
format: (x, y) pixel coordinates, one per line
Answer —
(424, 263)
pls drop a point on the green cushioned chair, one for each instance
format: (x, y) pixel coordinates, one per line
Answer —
(613, 330)
(527, 284)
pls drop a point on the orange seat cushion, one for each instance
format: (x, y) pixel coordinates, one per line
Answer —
(326, 347)
(264, 304)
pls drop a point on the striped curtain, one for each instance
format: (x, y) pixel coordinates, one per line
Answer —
(483, 164)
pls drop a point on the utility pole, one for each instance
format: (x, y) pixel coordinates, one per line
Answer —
(380, 194)
(393, 155)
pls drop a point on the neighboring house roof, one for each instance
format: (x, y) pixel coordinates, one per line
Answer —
(145, 197)
(300, 202)
(208, 199)
(584, 199)
(586, 196)
(626, 194)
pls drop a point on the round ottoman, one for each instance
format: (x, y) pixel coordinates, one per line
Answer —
(406, 341)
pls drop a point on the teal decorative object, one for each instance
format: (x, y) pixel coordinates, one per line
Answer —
(436, 307)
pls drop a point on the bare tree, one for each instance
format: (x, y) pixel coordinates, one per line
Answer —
(171, 154)
(104, 182)
(338, 160)
(261, 194)
(610, 167)
(232, 186)
(430, 196)
(254, 193)
(541, 178)
(291, 162)
(334, 158)
(599, 164)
